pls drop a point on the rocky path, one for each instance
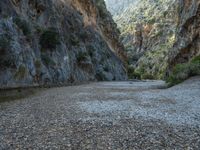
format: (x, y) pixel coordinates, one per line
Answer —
(105, 115)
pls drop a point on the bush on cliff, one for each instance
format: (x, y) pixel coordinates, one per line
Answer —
(6, 59)
(82, 56)
(183, 71)
(49, 39)
(23, 25)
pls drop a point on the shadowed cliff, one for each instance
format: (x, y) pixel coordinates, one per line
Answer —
(56, 42)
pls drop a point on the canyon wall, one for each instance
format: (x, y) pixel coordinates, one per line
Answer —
(52, 42)
(187, 44)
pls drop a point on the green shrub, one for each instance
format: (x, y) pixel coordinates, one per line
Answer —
(183, 71)
(21, 72)
(179, 73)
(74, 40)
(83, 35)
(137, 75)
(196, 60)
(100, 76)
(37, 64)
(132, 73)
(50, 39)
(172, 80)
(147, 76)
(39, 29)
(82, 56)
(106, 68)
(48, 61)
(23, 25)
(195, 66)
(151, 21)
(4, 44)
(180, 68)
(6, 59)
(91, 50)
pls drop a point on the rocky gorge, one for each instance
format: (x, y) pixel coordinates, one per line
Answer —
(71, 41)
(75, 76)
(158, 35)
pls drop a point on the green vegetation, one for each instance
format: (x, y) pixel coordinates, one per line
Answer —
(49, 39)
(153, 63)
(147, 76)
(148, 32)
(82, 56)
(38, 64)
(101, 76)
(21, 72)
(6, 59)
(23, 25)
(196, 60)
(74, 40)
(83, 35)
(38, 67)
(139, 73)
(131, 71)
(91, 50)
(106, 68)
(47, 60)
(4, 44)
(183, 71)
(39, 29)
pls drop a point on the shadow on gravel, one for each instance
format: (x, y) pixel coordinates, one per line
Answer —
(162, 86)
(16, 94)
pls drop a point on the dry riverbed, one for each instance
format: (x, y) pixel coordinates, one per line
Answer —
(105, 115)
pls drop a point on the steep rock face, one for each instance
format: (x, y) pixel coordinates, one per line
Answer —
(187, 45)
(148, 29)
(57, 42)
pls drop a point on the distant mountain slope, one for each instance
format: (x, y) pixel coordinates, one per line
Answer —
(116, 7)
(159, 35)
(148, 31)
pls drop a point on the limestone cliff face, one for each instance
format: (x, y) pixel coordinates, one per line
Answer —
(58, 42)
(187, 44)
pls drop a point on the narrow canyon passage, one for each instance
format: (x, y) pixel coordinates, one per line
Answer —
(105, 115)
(139, 58)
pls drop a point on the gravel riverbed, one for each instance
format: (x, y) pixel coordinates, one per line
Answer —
(105, 115)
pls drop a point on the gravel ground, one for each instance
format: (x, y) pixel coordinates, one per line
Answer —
(105, 115)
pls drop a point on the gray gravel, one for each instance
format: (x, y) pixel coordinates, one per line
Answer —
(105, 115)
